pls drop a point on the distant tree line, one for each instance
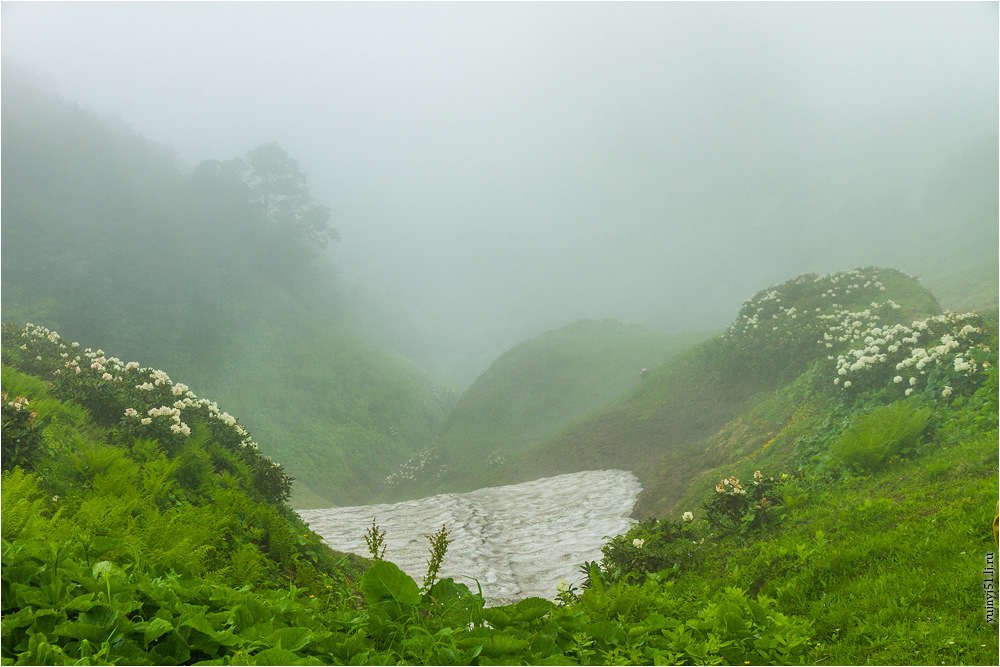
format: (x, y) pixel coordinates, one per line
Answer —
(106, 238)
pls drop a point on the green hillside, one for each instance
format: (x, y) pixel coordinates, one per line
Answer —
(661, 430)
(107, 241)
(136, 515)
(850, 523)
(859, 496)
(532, 391)
(977, 287)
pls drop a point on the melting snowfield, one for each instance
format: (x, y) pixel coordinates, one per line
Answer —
(518, 541)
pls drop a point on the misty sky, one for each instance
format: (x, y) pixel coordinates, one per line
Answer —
(498, 169)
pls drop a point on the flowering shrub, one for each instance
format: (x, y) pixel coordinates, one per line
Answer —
(649, 547)
(142, 402)
(18, 434)
(738, 508)
(495, 459)
(940, 356)
(415, 465)
(776, 331)
(888, 430)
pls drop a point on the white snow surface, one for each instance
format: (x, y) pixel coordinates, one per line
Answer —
(517, 541)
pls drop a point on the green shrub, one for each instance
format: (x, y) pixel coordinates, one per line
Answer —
(19, 433)
(885, 432)
(648, 547)
(738, 508)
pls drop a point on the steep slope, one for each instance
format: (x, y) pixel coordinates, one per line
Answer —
(660, 429)
(107, 241)
(976, 287)
(534, 390)
(864, 489)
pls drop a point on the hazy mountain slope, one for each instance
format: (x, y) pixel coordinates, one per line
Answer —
(538, 387)
(660, 430)
(975, 288)
(108, 242)
(339, 411)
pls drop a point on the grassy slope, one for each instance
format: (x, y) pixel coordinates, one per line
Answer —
(338, 412)
(539, 386)
(335, 410)
(975, 288)
(668, 429)
(888, 565)
(85, 208)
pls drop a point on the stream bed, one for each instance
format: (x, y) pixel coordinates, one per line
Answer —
(517, 541)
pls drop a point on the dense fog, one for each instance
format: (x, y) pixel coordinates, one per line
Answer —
(495, 170)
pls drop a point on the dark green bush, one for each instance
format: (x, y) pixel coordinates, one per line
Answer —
(887, 431)
(742, 508)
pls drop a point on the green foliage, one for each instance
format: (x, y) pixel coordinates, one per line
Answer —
(743, 508)
(649, 547)
(885, 432)
(20, 437)
(438, 547)
(782, 329)
(144, 403)
(375, 538)
(939, 357)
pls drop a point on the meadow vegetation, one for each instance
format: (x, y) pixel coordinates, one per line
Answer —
(843, 525)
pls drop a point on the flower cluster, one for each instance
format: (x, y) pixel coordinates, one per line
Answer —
(939, 354)
(19, 438)
(496, 458)
(775, 333)
(736, 507)
(731, 485)
(113, 380)
(809, 297)
(18, 404)
(650, 546)
(408, 471)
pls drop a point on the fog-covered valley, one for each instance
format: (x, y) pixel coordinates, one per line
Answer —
(703, 295)
(498, 171)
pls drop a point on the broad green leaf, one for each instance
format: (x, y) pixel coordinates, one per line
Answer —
(105, 567)
(291, 639)
(276, 656)
(501, 644)
(199, 623)
(88, 631)
(385, 581)
(154, 628)
(80, 602)
(530, 609)
(497, 617)
(446, 590)
(610, 632)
